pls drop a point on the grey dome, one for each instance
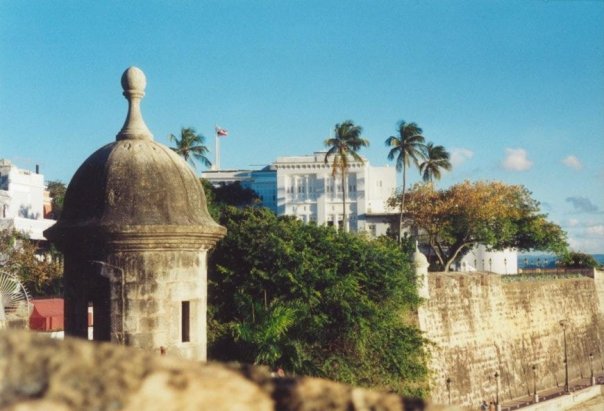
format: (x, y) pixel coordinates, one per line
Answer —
(134, 184)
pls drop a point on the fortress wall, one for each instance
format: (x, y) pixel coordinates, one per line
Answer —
(480, 324)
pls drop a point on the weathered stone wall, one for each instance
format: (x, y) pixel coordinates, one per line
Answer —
(481, 324)
(146, 302)
(41, 374)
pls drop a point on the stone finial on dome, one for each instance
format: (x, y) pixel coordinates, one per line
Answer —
(134, 83)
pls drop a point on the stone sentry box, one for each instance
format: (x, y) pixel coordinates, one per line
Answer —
(135, 231)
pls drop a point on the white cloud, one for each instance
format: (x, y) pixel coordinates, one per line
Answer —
(516, 160)
(595, 230)
(460, 155)
(573, 222)
(572, 162)
(586, 245)
(587, 237)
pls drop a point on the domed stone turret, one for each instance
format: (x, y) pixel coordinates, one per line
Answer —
(135, 230)
(133, 181)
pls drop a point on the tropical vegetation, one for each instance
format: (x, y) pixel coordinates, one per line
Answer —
(436, 159)
(314, 301)
(406, 147)
(191, 146)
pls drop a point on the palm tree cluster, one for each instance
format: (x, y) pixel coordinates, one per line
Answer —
(409, 147)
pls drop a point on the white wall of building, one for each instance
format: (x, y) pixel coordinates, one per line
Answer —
(304, 187)
(307, 189)
(499, 262)
(22, 195)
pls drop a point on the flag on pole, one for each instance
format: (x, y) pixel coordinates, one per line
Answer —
(221, 132)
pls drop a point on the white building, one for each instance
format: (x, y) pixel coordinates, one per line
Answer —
(304, 187)
(307, 189)
(22, 199)
(480, 259)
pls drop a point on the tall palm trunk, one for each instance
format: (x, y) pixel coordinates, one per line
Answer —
(344, 227)
(400, 221)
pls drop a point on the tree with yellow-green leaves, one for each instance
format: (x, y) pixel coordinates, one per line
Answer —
(453, 220)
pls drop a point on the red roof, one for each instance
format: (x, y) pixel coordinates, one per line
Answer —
(48, 307)
(47, 314)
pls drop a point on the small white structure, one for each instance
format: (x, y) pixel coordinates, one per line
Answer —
(22, 197)
(421, 271)
(304, 187)
(498, 262)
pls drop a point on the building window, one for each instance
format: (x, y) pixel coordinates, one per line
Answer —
(185, 321)
(372, 230)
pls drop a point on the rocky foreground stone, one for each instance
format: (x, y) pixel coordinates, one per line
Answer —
(40, 373)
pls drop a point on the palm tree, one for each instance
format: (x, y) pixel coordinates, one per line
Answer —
(437, 159)
(343, 147)
(191, 146)
(406, 147)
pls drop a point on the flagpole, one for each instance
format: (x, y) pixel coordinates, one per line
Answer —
(217, 150)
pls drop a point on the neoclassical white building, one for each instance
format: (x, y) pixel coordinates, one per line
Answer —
(304, 187)
(23, 197)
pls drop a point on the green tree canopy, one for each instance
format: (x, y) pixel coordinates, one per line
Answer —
(233, 194)
(575, 259)
(191, 146)
(56, 189)
(314, 301)
(490, 213)
(343, 148)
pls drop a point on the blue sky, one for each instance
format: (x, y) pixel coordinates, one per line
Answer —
(513, 89)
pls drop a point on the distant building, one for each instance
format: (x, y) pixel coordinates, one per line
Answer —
(498, 262)
(304, 187)
(24, 201)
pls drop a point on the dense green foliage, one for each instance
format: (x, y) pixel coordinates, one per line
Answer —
(314, 301)
(574, 259)
(233, 194)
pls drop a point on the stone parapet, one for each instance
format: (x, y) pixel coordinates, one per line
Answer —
(38, 373)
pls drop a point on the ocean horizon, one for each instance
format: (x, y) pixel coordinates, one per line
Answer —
(546, 260)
